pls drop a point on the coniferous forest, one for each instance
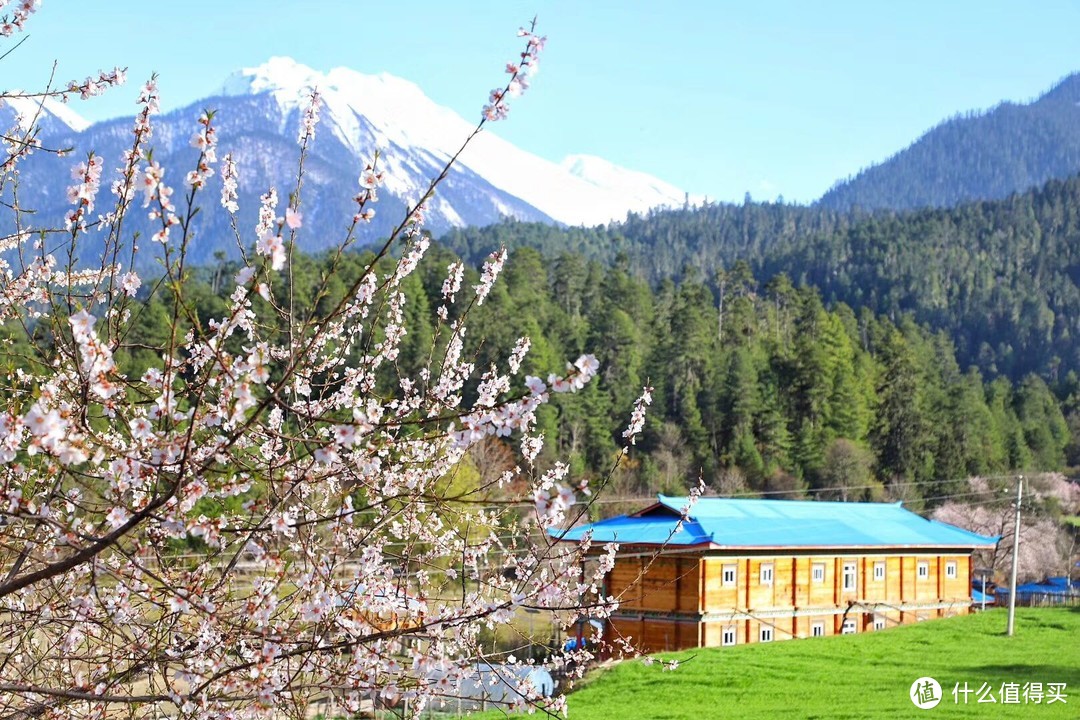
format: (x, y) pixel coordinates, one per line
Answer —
(761, 388)
(1001, 278)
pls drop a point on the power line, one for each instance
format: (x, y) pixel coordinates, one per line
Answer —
(751, 494)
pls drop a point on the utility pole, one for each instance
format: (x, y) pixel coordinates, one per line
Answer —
(1015, 557)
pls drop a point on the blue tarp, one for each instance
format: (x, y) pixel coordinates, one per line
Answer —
(750, 523)
(1052, 586)
(977, 598)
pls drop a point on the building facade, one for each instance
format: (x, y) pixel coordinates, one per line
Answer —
(740, 571)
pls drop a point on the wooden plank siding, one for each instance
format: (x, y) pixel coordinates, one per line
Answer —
(681, 601)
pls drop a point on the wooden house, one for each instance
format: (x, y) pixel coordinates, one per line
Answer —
(740, 571)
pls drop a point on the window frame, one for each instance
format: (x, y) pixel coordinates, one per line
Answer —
(763, 631)
(763, 580)
(922, 570)
(879, 565)
(951, 570)
(880, 622)
(734, 569)
(849, 623)
(814, 568)
(853, 576)
(734, 631)
(816, 627)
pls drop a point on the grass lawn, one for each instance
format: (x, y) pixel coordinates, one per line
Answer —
(863, 676)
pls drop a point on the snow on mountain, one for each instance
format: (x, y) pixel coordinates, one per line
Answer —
(27, 108)
(397, 117)
(637, 187)
(259, 113)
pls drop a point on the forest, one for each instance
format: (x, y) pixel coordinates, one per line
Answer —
(759, 389)
(1001, 278)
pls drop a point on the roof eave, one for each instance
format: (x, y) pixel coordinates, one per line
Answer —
(927, 546)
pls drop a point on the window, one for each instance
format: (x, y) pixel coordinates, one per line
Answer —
(728, 636)
(766, 573)
(850, 575)
(766, 634)
(924, 570)
(879, 571)
(818, 629)
(729, 575)
(848, 627)
(818, 572)
(950, 570)
(879, 622)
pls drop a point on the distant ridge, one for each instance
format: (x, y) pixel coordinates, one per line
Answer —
(978, 156)
(258, 116)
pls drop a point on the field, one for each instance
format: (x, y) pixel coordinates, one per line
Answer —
(865, 676)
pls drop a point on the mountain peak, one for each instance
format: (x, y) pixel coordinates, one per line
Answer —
(383, 111)
(639, 187)
(292, 79)
(1067, 89)
(279, 73)
(26, 108)
(982, 155)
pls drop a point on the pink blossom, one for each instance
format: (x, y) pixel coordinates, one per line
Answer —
(293, 218)
(117, 517)
(345, 435)
(130, 283)
(271, 244)
(535, 385)
(229, 176)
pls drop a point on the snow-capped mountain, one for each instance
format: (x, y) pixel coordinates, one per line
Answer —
(637, 188)
(259, 112)
(398, 115)
(51, 116)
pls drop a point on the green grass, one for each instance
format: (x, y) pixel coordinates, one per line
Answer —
(864, 676)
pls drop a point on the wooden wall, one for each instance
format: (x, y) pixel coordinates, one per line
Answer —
(662, 602)
(650, 635)
(793, 585)
(670, 584)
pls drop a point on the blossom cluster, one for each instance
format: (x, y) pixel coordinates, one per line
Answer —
(9, 25)
(520, 72)
(204, 140)
(267, 509)
(95, 85)
(637, 417)
(83, 193)
(229, 177)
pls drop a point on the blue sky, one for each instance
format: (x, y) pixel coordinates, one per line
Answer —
(719, 98)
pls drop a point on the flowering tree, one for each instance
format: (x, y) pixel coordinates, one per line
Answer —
(1046, 546)
(258, 520)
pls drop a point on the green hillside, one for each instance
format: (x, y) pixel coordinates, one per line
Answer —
(975, 156)
(865, 677)
(1001, 278)
(796, 396)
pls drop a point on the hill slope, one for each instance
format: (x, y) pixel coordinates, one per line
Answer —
(863, 676)
(1002, 278)
(978, 156)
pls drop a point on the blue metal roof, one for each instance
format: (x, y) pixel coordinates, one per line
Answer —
(750, 523)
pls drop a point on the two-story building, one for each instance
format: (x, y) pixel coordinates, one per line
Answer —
(741, 570)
